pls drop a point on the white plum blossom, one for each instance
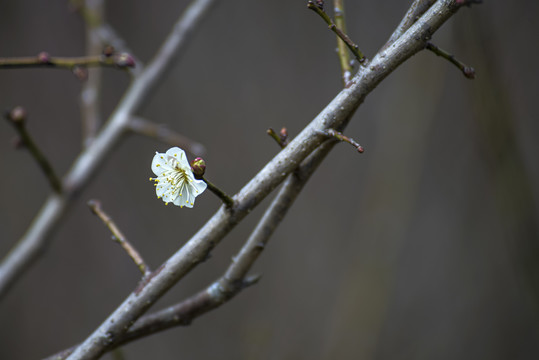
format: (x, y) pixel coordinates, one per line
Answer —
(175, 181)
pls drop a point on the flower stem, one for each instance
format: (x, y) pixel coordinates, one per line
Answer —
(468, 71)
(119, 237)
(227, 200)
(349, 43)
(17, 117)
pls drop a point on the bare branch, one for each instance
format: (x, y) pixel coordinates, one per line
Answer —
(235, 279)
(466, 70)
(339, 32)
(119, 237)
(162, 133)
(415, 11)
(43, 59)
(17, 117)
(336, 115)
(89, 98)
(344, 56)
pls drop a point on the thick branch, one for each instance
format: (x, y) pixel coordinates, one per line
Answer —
(335, 115)
(35, 239)
(417, 9)
(235, 279)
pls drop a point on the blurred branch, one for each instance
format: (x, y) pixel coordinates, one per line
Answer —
(89, 98)
(336, 115)
(339, 32)
(30, 245)
(92, 13)
(468, 71)
(43, 59)
(162, 133)
(344, 56)
(17, 117)
(119, 237)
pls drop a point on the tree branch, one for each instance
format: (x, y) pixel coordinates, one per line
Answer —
(162, 133)
(344, 55)
(17, 117)
(119, 237)
(336, 115)
(89, 97)
(235, 278)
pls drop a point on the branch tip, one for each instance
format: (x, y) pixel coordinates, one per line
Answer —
(332, 133)
(467, 71)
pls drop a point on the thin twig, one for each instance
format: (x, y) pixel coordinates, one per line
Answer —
(17, 117)
(120, 61)
(336, 115)
(119, 237)
(344, 55)
(341, 137)
(468, 71)
(281, 139)
(31, 244)
(164, 134)
(349, 43)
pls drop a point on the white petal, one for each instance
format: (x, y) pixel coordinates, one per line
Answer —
(200, 186)
(159, 164)
(179, 155)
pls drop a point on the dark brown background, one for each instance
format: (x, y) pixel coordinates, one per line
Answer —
(424, 247)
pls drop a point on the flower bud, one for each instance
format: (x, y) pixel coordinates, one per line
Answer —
(108, 50)
(17, 115)
(80, 72)
(44, 57)
(124, 60)
(199, 167)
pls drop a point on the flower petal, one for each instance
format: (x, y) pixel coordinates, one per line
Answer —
(179, 155)
(159, 164)
(200, 186)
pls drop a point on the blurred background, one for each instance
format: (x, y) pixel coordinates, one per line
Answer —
(426, 246)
